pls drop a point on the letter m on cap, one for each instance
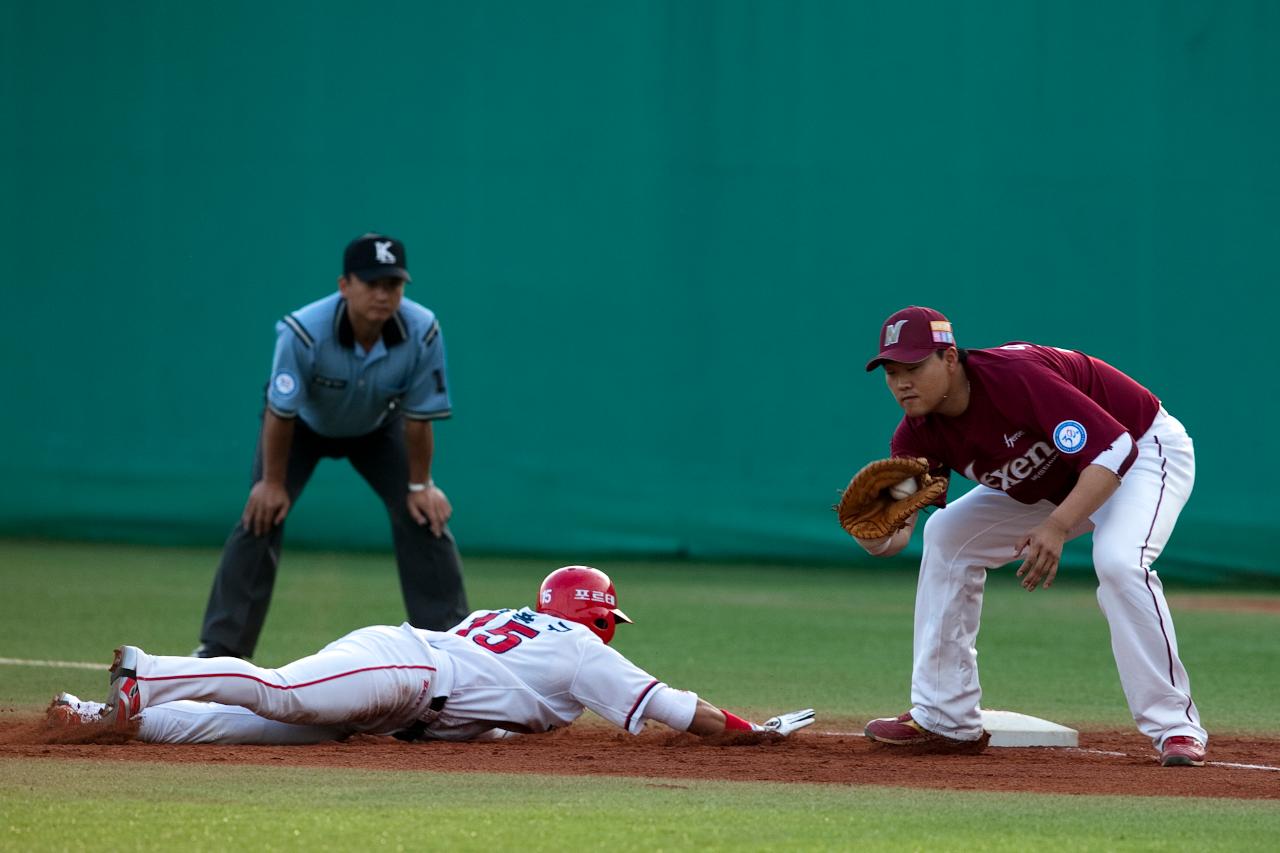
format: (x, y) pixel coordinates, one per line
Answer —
(892, 331)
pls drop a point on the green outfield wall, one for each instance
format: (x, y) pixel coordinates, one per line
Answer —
(660, 237)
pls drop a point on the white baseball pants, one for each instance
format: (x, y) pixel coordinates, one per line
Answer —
(379, 679)
(979, 531)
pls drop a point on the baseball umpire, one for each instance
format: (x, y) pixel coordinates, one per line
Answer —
(1060, 444)
(359, 374)
(495, 673)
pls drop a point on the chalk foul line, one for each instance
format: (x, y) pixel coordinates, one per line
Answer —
(1231, 764)
(54, 664)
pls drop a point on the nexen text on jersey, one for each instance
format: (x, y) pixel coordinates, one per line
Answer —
(1038, 457)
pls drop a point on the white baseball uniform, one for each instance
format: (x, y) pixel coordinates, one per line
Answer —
(498, 671)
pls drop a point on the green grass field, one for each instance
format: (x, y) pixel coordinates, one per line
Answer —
(756, 639)
(260, 808)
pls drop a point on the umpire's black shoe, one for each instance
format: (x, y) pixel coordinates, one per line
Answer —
(212, 650)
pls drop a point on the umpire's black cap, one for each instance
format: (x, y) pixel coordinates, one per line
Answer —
(373, 256)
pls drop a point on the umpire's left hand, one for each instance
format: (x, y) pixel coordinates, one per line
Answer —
(430, 506)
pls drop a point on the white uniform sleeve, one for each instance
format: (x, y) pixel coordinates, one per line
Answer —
(674, 708)
(1116, 455)
(613, 686)
(290, 372)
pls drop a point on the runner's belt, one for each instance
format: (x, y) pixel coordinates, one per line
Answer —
(419, 727)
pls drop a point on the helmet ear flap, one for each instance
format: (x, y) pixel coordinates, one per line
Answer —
(603, 626)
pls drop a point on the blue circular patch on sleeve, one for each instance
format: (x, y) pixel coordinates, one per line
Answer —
(1070, 436)
(285, 384)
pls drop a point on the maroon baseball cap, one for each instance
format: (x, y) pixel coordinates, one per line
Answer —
(911, 335)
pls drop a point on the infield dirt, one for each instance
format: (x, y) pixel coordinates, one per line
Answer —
(1106, 763)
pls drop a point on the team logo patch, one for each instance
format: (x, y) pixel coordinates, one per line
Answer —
(941, 331)
(893, 332)
(285, 384)
(1070, 436)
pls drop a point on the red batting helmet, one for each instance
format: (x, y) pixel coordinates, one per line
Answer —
(584, 595)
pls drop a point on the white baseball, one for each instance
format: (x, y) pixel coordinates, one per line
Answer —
(904, 489)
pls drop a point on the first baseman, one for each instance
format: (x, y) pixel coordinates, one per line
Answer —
(1060, 444)
(495, 673)
(360, 375)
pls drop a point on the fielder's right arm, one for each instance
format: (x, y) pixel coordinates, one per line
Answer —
(887, 546)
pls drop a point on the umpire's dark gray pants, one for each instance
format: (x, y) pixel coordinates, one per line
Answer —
(430, 568)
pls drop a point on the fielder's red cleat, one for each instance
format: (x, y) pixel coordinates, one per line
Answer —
(1182, 751)
(902, 730)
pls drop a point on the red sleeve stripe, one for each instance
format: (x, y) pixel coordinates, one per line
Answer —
(643, 693)
(282, 686)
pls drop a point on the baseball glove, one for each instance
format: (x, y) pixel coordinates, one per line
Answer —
(868, 511)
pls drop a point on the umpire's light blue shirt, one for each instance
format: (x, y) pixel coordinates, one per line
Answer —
(322, 374)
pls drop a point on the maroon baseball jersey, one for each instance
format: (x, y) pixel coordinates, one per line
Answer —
(1037, 417)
